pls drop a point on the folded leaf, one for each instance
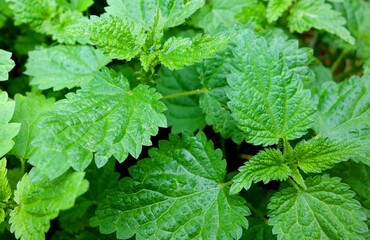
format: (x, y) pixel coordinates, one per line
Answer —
(317, 155)
(326, 210)
(320, 15)
(179, 52)
(102, 119)
(267, 98)
(64, 66)
(176, 194)
(6, 64)
(267, 165)
(116, 37)
(40, 202)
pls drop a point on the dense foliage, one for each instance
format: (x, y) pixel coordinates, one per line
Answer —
(184, 119)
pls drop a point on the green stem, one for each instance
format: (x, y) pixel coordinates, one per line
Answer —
(222, 185)
(188, 93)
(257, 212)
(338, 61)
(23, 165)
(292, 182)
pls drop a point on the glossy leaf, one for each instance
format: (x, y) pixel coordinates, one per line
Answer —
(177, 193)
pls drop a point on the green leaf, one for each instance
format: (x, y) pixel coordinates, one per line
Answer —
(32, 12)
(6, 64)
(179, 52)
(344, 113)
(40, 202)
(295, 58)
(316, 155)
(102, 119)
(183, 113)
(144, 12)
(258, 230)
(117, 37)
(48, 17)
(254, 14)
(326, 210)
(213, 75)
(356, 13)
(320, 15)
(102, 181)
(176, 194)
(5, 191)
(267, 98)
(28, 110)
(7, 130)
(275, 8)
(357, 175)
(61, 67)
(267, 165)
(217, 15)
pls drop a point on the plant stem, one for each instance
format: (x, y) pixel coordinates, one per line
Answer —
(188, 93)
(222, 185)
(338, 61)
(292, 182)
(257, 212)
(246, 156)
(23, 165)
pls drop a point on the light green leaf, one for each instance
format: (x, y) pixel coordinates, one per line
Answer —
(217, 15)
(267, 98)
(183, 113)
(254, 14)
(117, 37)
(144, 12)
(316, 155)
(102, 119)
(326, 210)
(40, 202)
(7, 130)
(32, 12)
(5, 191)
(61, 67)
(47, 17)
(80, 5)
(344, 113)
(179, 52)
(178, 193)
(6, 64)
(320, 15)
(28, 110)
(275, 8)
(213, 75)
(267, 165)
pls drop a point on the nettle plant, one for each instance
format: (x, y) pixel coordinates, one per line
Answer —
(281, 85)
